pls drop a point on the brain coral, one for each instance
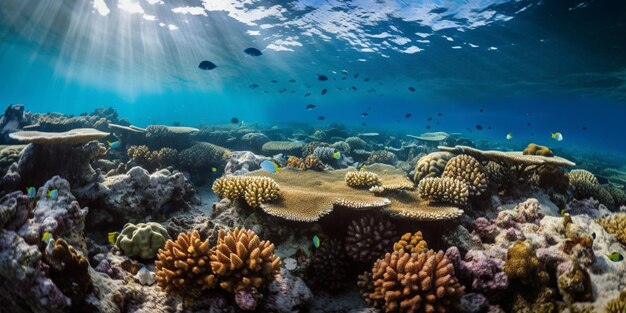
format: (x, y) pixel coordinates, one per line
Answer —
(615, 225)
(362, 179)
(142, 240)
(443, 190)
(411, 243)
(203, 155)
(467, 169)
(431, 165)
(369, 237)
(183, 266)
(242, 261)
(534, 149)
(255, 190)
(412, 282)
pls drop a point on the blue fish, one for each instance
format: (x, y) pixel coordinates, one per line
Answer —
(270, 166)
(53, 194)
(253, 52)
(207, 65)
(316, 242)
(31, 192)
(115, 144)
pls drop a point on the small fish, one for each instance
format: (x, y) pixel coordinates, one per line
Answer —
(253, 52)
(337, 155)
(316, 242)
(324, 91)
(593, 235)
(31, 192)
(307, 94)
(270, 166)
(428, 127)
(363, 167)
(292, 80)
(479, 127)
(114, 145)
(366, 79)
(321, 77)
(213, 170)
(407, 115)
(557, 136)
(353, 87)
(412, 89)
(563, 212)
(321, 117)
(344, 72)
(310, 106)
(429, 119)
(112, 237)
(234, 120)
(243, 123)
(615, 257)
(356, 75)
(253, 86)
(439, 114)
(364, 114)
(274, 81)
(482, 110)
(206, 65)
(53, 194)
(509, 136)
(46, 237)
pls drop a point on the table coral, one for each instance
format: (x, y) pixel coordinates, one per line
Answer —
(286, 147)
(467, 169)
(143, 240)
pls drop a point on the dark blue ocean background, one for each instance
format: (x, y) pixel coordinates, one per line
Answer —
(527, 68)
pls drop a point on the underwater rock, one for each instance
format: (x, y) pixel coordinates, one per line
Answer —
(287, 294)
(11, 121)
(15, 208)
(242, 162)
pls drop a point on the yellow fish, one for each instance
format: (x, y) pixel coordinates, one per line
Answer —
(557, 136)
(112, 237)
(509, 136)
(563, 212)
(213, 170)
(46, 237)
(615, 257)
(337, 155)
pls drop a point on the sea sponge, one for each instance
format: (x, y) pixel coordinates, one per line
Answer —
(183, 266)
(411, 243)
(369, 237)
(382, 156)
(329, 264)
(412, 282)
(534, 149)
(356, 143)
(467, 169)
(362, 179)
(143, 240)
(431, 165)
(310, 147)
(443, 190)
(617, 304)
(584, 183)
(615, 225)
(255, 190)
(242, 261)
(522, 265)
(69, 270)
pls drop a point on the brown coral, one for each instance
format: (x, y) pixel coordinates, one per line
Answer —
(329, 264)
(369, 237)
(431, 165)
(615, 225)
(467, 169)
(310, 147)
(405, 282)
(443, 190)
(534, 149)
(522, 264)
(311, 162)
(243, 261)
(617, 304)
(382, 156)
(183, 266)
(362, 179)
(255, 190)
(585, 184)
(69, 270)
(411, 243)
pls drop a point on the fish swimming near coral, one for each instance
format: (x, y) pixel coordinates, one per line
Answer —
(337, 155)
(322, 77)
(270, 166)
(557, 136)
(615, 257)
(31, 192)
(114, 145)
(46, 237)
(509, 136)
(310, 106)
(234, 120)
(316, 242)
(213, 170)
(112, 237)
(53, 194)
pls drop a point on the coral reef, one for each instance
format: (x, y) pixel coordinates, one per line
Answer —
(534, 149)
(310, 147)
(411, 243)
(362, 179)
(160, 136)
(324, 153)
(382, 156)
(203, 155)
(152, 160)
(310, 162)
(523, 265)
(467, 169)
(443, 190)
(431, 165)
(69, 271)
(617, 305)
(328, 265)
(242, 261)
(483, 272)
(369, 237)
(255, 190)
(142, 240)
(183, 266)
(584, 182)
(286, 147)
(405, 282)
(356, 143)
(242, 162)
(615, 225)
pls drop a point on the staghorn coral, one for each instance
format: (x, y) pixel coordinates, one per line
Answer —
(411, 243)
(617, 304)
(69, 270)
(242, 261)
(255, 190)
(369, 237)
(615, 225)
(143, 239)
(522, 265)
(467, 169)
(362, 179)
(183, 266)
(534, 149)
(443, 190)
(431, 165)
(405, 282)
(382, 156)
(329, 264)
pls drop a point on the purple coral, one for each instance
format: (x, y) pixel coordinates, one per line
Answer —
(485, 272)
(247, 299)
(486, 229)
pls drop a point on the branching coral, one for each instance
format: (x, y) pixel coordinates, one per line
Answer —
(405, 282)
(382, 156)
(431, 165)
(467, 169)
(443, 190)
(183, 266)
(142, 240)
(411, 243)
(615, 225)
(369, 237)
(362, 179)
(311, 162)
(617, 304)
(242, 261)
(534, 149)
(255, 190)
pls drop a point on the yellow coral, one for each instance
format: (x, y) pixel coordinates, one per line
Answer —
(615, 225)
(243, 261)
(443, 190)
(534, 149)
(411, 243)
(255, 190)
(362, 179)
(467, 169)
(522, 264)
(617, 304)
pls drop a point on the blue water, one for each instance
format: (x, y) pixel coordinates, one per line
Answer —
(558, 65)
